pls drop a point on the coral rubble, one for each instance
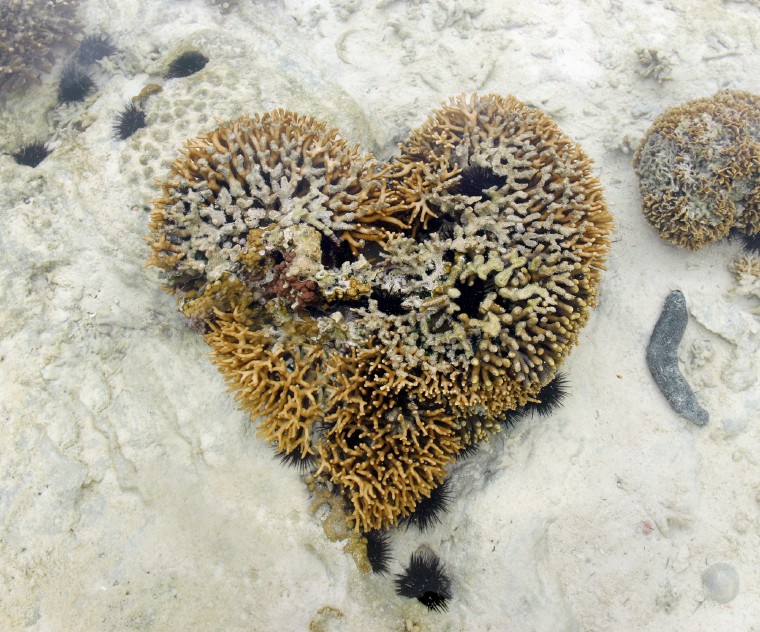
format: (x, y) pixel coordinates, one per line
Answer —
(379, 319)
(699, 169)
(32, 34)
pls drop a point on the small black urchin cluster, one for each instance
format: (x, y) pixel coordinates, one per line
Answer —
(32, 154)
(128, 121)
(75, 83)
(425, 580)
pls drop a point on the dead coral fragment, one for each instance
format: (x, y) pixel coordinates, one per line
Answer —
(32, 35)
(699, 169)
(277, 171)
(653, 63)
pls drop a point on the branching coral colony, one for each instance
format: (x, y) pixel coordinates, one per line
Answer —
(380, 319)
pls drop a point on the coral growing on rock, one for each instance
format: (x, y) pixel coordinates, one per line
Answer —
(32, 34)
(378, 320)
(746, 270)
(699, 169)
(276, 381)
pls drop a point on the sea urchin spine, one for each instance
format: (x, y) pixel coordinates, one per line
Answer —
(94, 48)
(378, 550)
(428, 511)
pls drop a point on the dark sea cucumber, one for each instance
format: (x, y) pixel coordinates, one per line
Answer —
(662, 360)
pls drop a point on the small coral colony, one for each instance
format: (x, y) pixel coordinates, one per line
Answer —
(379, 320)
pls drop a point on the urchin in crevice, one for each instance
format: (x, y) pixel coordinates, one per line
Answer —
(32, 154)
(128, 121)
(475, 180)
(472, 295)
(751, 243)
(425, 580)
(388, 302)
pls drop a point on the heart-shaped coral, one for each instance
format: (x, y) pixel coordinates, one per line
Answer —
(378, 319)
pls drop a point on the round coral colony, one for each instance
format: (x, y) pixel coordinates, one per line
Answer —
(699, 170)
(377, 320)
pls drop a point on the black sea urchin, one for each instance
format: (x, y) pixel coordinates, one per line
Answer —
(474, 180)
(425, 581)
(428, 511)
(468, 451)
(32, 154)
(93, 48)
(186, 64)
(296, 461)
(751, 243)
(551, 397)
(128, 121)
(75, 84)
(388, 302)
(378, 550)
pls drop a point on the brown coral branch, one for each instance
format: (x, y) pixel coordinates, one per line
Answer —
(281, 386)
